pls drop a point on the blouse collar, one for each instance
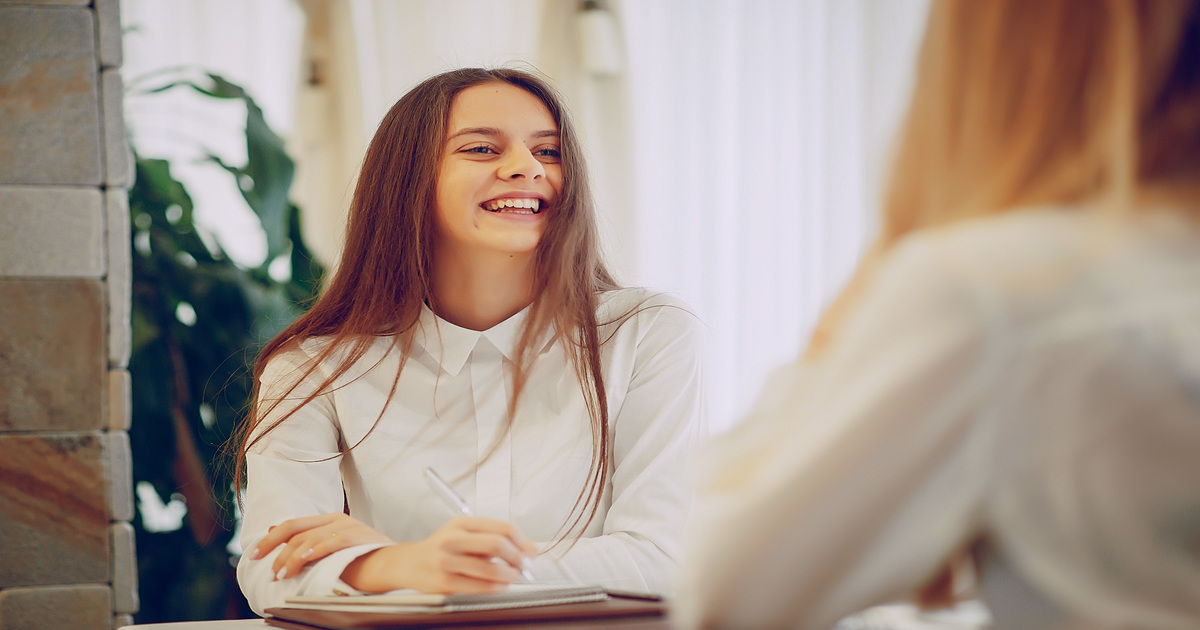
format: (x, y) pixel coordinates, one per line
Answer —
(451, 345)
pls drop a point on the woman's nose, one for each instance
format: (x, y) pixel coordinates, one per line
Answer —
(521, 163)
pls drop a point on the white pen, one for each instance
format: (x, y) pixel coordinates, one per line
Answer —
(455, 502)
(459, 505)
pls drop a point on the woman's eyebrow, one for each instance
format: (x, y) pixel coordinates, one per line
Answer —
(482, 131)
(494, 132)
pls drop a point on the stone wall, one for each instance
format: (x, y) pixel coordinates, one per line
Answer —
(66, 498)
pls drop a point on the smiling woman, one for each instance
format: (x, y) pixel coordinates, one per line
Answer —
(471, 327)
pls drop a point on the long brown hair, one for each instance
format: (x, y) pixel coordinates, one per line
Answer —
(384, 275)
(1020, 103)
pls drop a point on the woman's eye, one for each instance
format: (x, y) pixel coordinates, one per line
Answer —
(479, 149)
(553, 153)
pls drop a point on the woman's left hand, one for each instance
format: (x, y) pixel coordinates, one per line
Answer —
(310, 538)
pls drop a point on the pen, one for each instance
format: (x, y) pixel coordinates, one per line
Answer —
(447, 493)
(456, 503)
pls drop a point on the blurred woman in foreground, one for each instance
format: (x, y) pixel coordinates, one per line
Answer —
(1015, 368)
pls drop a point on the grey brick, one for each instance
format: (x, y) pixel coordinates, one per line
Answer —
(51, 232)
(82, 607)
(53, 376)
(53, 511)
(118, 159)
(49, 106)
(120, 277)
(108, 28)
(124, 563)
(120, 400)
(120, 476)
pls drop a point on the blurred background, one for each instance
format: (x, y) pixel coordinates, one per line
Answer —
(737, 149)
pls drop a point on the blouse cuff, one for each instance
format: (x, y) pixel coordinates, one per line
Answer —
(326, 577)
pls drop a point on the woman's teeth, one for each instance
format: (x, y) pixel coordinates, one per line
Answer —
(515, 206)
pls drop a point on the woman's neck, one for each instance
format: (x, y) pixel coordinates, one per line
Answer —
(481, 290)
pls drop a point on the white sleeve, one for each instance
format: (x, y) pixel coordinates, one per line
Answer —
(655, 434)
(292, 472)
(857, 475)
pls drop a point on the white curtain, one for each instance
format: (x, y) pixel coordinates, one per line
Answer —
(760, 134)
(737, 159)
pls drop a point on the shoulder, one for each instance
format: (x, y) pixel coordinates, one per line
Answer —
(1035, 250)
(1017, 277)
(959, 284)
(1042, 262)
(1019, 259)
(648, 318)
(644, 306)
(621, 302)
(1009, 237)
(314, 356)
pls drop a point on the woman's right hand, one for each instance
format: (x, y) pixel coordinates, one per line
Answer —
(457, 558)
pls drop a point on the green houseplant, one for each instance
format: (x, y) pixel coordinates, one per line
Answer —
(199, 319)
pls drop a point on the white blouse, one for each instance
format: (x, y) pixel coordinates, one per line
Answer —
(1029, 381)
(449, 412)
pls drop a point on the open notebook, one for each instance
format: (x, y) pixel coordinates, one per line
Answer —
(517, 596)
(408, 609)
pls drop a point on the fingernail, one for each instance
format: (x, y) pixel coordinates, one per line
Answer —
(526, 565)
(255, 554)
(282, 574)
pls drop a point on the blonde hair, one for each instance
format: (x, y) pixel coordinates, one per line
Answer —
(1020, 103)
